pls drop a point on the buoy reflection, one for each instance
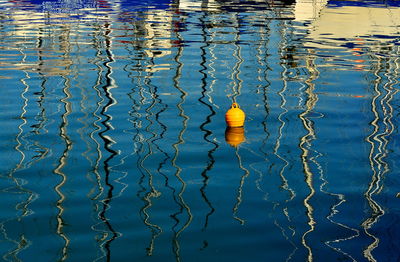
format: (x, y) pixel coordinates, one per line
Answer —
(234, 136)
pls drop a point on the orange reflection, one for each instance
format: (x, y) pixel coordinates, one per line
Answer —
(234, 136)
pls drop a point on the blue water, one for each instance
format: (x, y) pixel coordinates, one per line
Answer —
(114, 145)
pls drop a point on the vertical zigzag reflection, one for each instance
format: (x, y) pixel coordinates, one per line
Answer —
(304, 145)
(166, 156)
(207, 133)
(103, 88)
(97, 127)
(263, 62)
(236, 81)
(144, 146)
(138, 97)
(290, 231)
(236, 89)
(182, 204)
(148, 148)
(21, 243)
(61, 165)
(382, 128)
(239, 196)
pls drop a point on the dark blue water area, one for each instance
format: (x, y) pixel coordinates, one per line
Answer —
(374, 3)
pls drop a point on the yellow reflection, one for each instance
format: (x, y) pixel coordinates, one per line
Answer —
(234, 136)
(333, 25)
(158, 25)
(52, 43)
(308, 10)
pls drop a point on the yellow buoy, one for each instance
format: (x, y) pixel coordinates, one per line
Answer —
(234, 136)
(234, 117)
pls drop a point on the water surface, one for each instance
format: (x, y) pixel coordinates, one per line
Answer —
(114, 145)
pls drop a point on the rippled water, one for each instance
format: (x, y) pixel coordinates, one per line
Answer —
(114, 145)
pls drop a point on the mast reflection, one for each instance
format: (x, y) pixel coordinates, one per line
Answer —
(383, 112)
(20, 240)
(237, 83)
(59, 169)
(207, 133)
(107, 84)
(152, 192)
(182, 204)
(288, 231)
(304, 145)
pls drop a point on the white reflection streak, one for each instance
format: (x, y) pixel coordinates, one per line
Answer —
(378, 152)
(93, 163)
(97, 127)
(305, 141)
(376, 209)
(388, 115)
(281, 93)
(237, 86)
(240, 189)
(23, 242)
(153, 192)
(334, 211)
(263, 67)
(285, 184)
(22, 117)
(61, 165)
(237, 82)
(212, 71)
(185, 118)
